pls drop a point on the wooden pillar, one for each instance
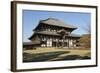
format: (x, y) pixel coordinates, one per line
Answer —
(68, 43)
(72, 43)
(56, 44)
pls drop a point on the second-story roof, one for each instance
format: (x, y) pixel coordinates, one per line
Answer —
(57, 22)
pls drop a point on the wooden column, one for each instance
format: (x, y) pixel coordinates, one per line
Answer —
(68, 42)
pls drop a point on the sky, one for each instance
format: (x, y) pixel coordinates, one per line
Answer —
(31, 19)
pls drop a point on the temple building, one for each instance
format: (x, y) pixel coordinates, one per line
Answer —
(52, 32)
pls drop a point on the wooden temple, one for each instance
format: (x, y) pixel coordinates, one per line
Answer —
(52, 32)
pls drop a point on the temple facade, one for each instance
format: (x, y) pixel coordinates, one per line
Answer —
(52, 32)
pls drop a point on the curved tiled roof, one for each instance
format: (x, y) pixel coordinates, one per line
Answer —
(30, 43)
(54, 22)
(57, 22)
(74, 35)
(55, 33)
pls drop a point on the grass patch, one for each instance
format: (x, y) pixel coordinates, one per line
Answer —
(72, 57)
(52, 54)
(42, 56)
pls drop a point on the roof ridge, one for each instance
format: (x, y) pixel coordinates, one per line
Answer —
(57, 22)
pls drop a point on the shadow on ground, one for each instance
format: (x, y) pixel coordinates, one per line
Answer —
(72, 57)
(41, 56)
(52, 56)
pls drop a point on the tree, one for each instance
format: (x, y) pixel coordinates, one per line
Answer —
(87, 29)
(85, 41)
